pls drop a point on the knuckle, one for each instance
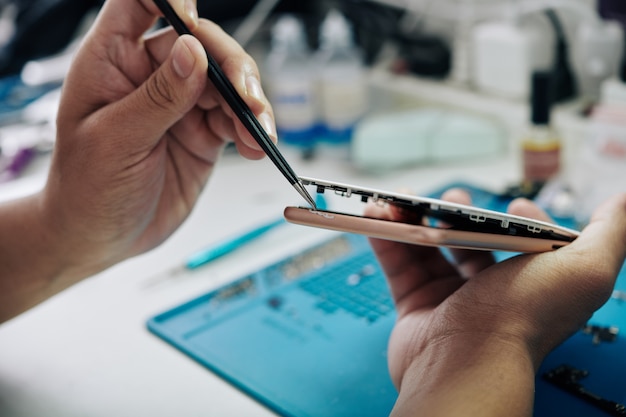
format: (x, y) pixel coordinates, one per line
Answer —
(159, 90)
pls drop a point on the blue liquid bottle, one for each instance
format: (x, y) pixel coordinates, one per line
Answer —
(289, 76)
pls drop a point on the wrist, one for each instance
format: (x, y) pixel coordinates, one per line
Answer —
(471, 375)
(77, 251)
(32, 260)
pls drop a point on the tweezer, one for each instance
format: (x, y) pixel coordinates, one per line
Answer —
(241, 109)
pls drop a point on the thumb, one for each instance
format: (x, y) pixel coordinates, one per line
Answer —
(167, 95)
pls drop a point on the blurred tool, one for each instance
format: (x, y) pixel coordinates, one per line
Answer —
(218, 250)
(16, 96)
(211, 253)
(16, 164)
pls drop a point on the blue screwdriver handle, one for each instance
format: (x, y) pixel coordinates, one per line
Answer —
(213, 252)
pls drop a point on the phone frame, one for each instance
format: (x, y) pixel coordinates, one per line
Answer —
(418, 234)
(466, 226)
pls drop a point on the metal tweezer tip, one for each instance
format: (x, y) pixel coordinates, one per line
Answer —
(304, 193)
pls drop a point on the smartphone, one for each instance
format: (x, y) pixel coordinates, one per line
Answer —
(467, 227)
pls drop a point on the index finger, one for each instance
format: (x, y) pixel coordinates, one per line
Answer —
(132, 18)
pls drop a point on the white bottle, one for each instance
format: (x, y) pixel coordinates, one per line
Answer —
(343, 98)
(596, 56)
(290, 83)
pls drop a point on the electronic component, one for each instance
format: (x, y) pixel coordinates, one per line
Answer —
(601, 333)
(313, 259)
(242, 288)
(567, 378)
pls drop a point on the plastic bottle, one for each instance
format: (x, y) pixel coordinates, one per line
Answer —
(290, 81)
(541, 147)
(343, 98)
(596, 56)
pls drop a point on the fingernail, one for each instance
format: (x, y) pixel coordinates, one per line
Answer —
(268, 124)
(253, 88)
(183, 60)
(191, 11)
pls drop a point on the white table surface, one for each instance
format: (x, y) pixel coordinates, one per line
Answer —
(87, 352)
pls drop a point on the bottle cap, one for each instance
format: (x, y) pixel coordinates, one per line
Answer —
(289, 30)
(335, 30)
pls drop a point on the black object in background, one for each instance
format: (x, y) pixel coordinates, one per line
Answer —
(425, 55)
(43, 28)
(564, 86)
(223, 11)
(613, 9)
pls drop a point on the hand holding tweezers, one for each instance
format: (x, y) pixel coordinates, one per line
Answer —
(240, 108)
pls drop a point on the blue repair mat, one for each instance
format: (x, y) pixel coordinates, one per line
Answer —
(307, 336)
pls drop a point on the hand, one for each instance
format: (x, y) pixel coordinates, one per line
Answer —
(474, 332)
(139, 131)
